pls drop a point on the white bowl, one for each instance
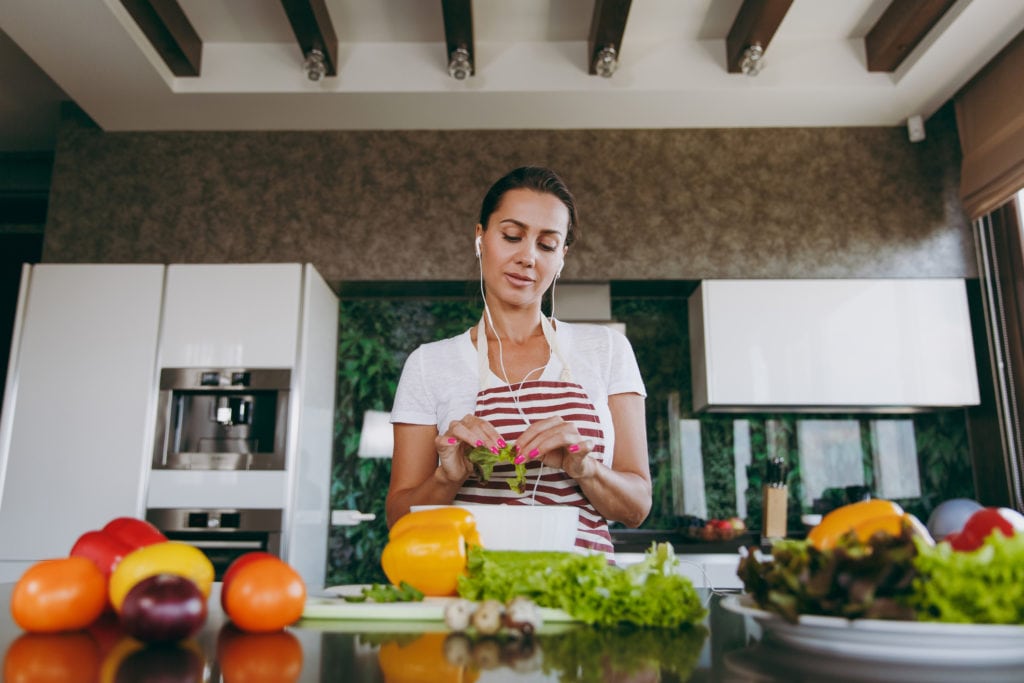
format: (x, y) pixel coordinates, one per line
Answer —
(522, 527)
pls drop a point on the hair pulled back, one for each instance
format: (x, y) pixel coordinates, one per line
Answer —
(538, 179)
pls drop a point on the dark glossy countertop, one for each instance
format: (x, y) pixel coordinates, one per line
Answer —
(725, 647)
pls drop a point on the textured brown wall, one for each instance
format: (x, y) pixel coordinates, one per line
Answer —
(402, 205)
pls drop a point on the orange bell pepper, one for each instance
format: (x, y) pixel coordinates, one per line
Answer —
(428, 549)
(845, 518)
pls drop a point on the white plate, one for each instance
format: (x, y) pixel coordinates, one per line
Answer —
(330, 604)
(878, 640)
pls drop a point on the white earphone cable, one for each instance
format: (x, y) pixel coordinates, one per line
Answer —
(501, 364)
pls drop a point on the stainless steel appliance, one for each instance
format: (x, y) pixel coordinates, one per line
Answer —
(222, 534)
(222, 419)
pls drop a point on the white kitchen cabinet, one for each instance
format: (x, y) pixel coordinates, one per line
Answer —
(828, 345)
(77, 432)
(74, 436)
(232, 315)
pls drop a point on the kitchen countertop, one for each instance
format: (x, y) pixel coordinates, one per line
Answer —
(725, 647)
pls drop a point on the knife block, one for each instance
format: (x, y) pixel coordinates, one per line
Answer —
(773, 518)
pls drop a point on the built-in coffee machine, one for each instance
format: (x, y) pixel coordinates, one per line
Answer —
(212, 421)
(222, 419)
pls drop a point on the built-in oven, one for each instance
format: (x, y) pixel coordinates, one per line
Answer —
(222, 534)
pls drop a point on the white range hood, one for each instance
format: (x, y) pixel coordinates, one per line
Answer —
(889, 345)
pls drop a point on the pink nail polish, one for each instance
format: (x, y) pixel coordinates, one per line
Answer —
(501, 443)
(494, 449)
(515, 448)
(519, 460)
(534, 453)
(574, 447)
(452, 439)
(479, 442)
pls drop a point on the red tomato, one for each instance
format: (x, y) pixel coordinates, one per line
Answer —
(233, 568)
(66, 594)
(258, 657)
(265, 595)
(984, 523)
(102, 548)
(52, 658)
(134, 532)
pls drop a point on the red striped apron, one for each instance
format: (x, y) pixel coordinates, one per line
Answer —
(510, 409)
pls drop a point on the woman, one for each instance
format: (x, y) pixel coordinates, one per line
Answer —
(568, 396)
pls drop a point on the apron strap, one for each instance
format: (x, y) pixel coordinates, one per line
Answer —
(484, 364)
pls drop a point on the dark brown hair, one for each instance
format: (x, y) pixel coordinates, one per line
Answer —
(538, 179)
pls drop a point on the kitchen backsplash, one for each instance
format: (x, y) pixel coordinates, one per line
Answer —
(401, 205)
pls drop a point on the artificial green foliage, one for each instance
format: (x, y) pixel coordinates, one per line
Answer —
(656, 328)
(376, 335)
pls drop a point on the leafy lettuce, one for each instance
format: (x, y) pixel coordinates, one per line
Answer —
(985, 586)
(649, 593)
(891, 577)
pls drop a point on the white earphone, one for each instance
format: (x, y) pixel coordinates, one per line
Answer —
(478, 238)
(560, 266)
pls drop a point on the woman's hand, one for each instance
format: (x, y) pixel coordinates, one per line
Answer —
(559, 444)
(454, 445)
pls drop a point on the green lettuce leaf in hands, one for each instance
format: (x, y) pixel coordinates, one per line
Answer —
(484, 460)
(648, 593)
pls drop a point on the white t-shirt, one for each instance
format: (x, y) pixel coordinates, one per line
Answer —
(440, 382)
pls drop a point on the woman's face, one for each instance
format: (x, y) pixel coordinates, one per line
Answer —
(523, 245)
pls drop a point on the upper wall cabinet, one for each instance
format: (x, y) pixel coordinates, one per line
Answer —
(831, 345)
(231, 315)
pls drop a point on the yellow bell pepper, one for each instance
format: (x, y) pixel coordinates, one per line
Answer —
(845, 518)
(422, 661)
(458, 516)
(428, 549)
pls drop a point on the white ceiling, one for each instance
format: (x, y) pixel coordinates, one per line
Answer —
(531, 67)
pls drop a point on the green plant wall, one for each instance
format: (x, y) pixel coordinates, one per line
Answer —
(377, 334)
(374, 338)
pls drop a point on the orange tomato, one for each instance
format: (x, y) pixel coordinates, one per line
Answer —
(65, 594)
(258, 657)
(265, 595)
(233, 568)
(57, 657)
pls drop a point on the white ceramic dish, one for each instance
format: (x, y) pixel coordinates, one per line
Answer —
(523, 527)
(910, 642)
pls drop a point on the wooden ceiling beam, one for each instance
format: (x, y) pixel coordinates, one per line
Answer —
(899, 30)
(607, 26)
(458, 29)
(313, 30)
(170, 33)
(756, 22)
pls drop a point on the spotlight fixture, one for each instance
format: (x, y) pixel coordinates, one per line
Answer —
(459, 66)
(315, 66)
(753, 60)
(606, 62)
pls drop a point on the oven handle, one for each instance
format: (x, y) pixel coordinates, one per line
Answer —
(256, 545)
